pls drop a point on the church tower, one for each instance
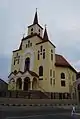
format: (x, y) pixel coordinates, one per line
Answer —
(35, 28)
(29, 62)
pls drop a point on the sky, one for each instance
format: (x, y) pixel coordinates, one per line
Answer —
(62, 18)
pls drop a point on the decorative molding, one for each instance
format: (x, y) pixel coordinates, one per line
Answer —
(31, 53)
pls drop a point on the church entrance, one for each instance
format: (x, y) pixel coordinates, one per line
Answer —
(26, 83)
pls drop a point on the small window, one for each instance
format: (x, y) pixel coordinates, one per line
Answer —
(38, 55)
(14, 61)
(53, 74)
(62, 76)
(39, 30)
(51, 81)
(41, 71)
(51, 54)
(50, 72)
(18, 61)
(43, 55)
(31, 33)
(51, 51)
(32, 29)
(40, 78)
(41, 48)
(63, 83)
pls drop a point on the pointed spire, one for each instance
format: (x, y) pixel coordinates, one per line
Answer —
(45, 36)
(35, 18)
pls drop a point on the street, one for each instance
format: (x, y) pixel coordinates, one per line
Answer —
(35, 112)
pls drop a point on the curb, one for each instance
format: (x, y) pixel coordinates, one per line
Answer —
(40, 105)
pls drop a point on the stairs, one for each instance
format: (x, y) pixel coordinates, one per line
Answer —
(44, 94)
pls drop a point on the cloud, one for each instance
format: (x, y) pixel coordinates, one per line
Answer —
(63, 24)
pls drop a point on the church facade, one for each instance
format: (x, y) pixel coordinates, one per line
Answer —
(35, 66)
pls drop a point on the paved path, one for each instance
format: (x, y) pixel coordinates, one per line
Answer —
(35, 113)
(47, 116)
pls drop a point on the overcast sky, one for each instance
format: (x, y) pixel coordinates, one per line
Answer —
(63, 24)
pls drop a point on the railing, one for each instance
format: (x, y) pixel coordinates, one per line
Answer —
(43, 91)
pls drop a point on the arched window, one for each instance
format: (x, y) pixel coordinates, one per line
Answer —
(62, 76)
(41, 71)
(19, 83)
(27, 64)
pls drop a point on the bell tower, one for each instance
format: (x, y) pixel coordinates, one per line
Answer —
(35, 28)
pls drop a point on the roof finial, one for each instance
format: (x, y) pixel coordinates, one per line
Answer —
(45, 25)
(36, 9)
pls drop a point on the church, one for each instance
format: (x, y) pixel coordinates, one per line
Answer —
(36, 66)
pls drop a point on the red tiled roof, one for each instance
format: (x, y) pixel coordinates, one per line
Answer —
(61, 61)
